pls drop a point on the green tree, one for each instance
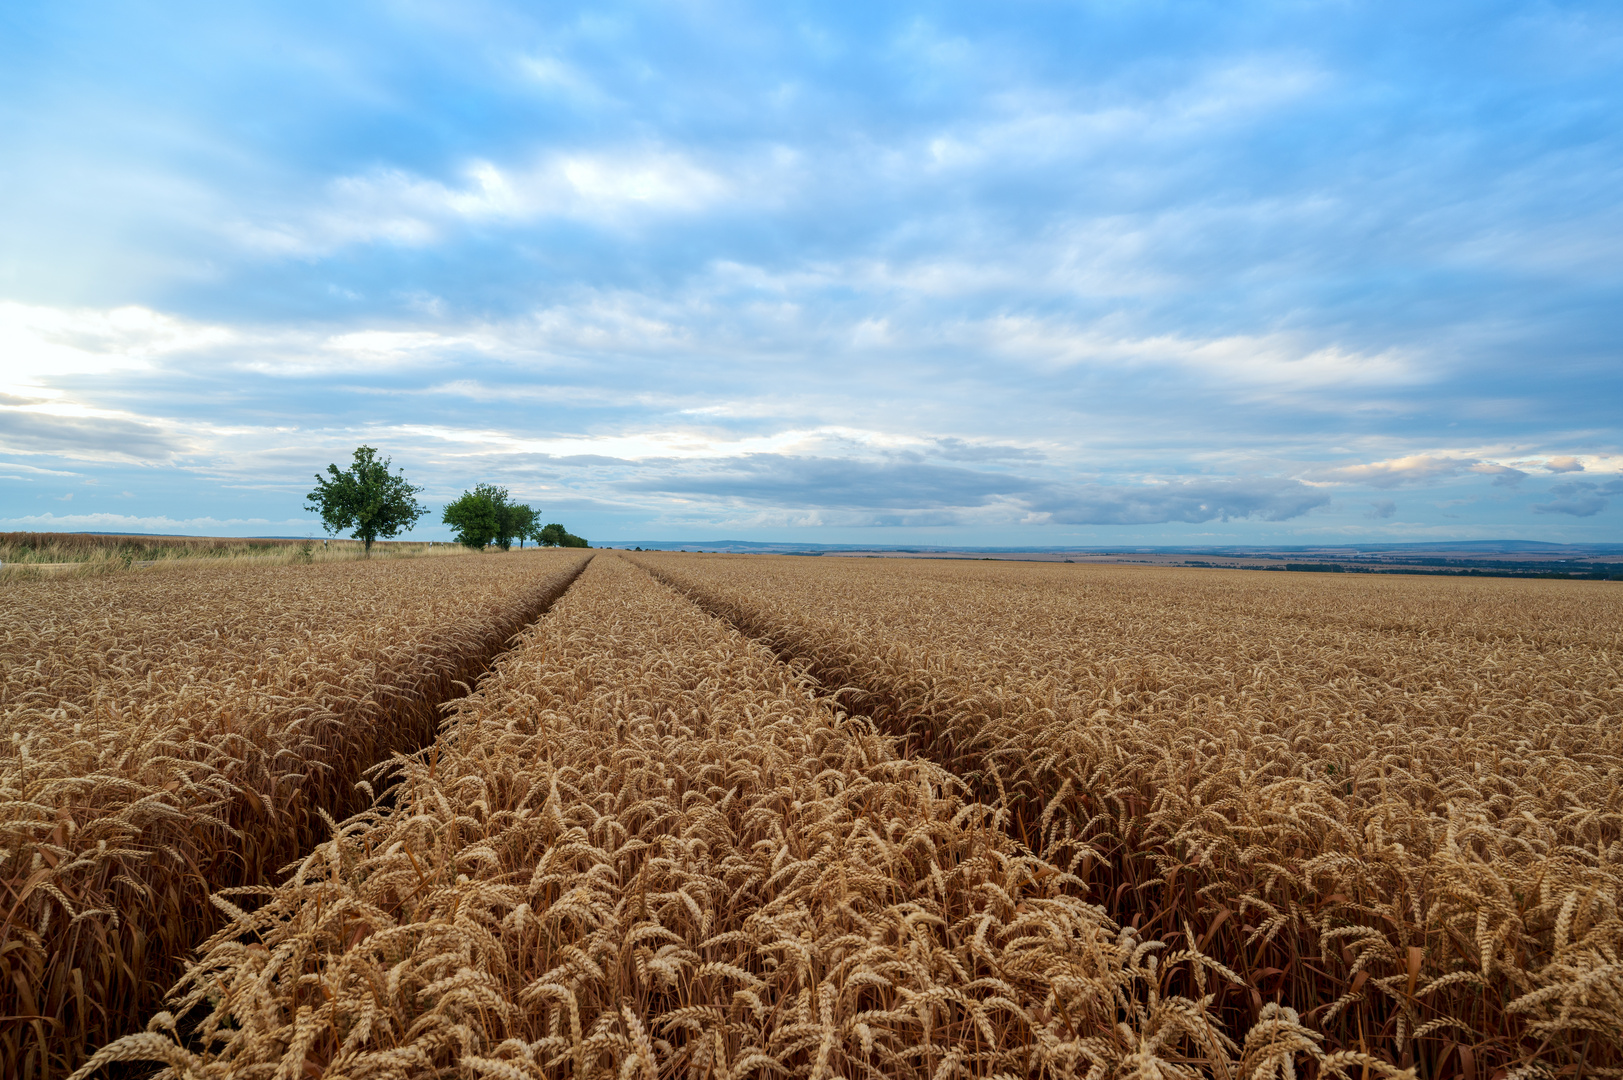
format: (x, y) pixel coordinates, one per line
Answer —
(486, 516)
(366, 498)
(519, 522)
(555, 535)
(477, 515)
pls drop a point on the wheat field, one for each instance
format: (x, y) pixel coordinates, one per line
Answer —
(1394, 806)
(645, 847)
(164, 735)
(714, 816)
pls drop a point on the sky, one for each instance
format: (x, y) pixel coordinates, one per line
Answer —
(982, 274)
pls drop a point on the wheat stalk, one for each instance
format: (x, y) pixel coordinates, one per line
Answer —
(644, 847)
(1393, 805)
(163, 736)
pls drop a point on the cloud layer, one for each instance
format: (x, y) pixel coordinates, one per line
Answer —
(1063, 275)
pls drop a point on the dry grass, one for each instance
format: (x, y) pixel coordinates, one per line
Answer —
(1392, 806)
(644, 848)
(25, 555)
(165, 735)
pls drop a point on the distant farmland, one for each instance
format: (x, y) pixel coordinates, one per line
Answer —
(713, 815)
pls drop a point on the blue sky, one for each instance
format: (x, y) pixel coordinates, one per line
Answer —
(1012, 273)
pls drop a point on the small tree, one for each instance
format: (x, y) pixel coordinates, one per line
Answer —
(519, 522)
(477, 515)
(555, 535)
(366, 498)
(485, 516)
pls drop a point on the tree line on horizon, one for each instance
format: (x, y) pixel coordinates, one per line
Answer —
(377, 504)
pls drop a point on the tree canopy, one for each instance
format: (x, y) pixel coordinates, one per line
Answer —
(521, 522)
(555, 535)
(366, 498)
(480, 517)
(486, 515)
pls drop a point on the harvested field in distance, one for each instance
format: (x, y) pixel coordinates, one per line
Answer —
(1393, 806)
(30, 554)
(165, 735)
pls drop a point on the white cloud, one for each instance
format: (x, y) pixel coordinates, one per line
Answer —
(1409, 469)
(1277, 360)
(671, 443)
(395, 346)
(610, 188)
(16, 470)
(69, 429)
(38, 342)
(612, 322)
(129, 523)
(1037, 126)
(1419, 468)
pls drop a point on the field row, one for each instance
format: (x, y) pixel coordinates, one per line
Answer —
(645, 848)
(168, 735)
(1395, 807)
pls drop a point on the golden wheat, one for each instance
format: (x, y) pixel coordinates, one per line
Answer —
(1394, 806)
(165, 735)
(645, 848)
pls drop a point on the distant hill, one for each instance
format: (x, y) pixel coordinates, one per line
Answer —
(1462, 547)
